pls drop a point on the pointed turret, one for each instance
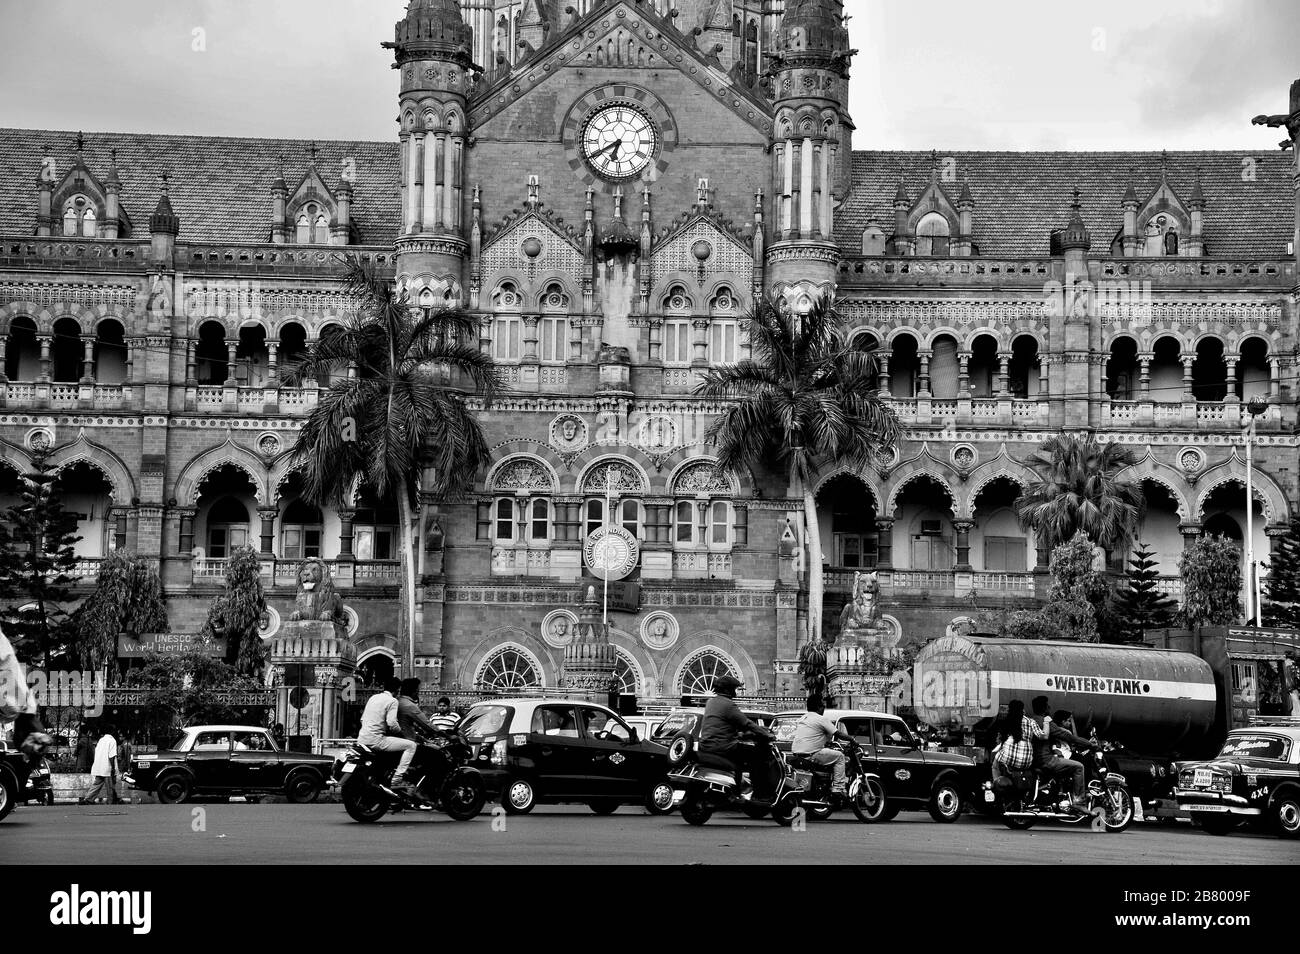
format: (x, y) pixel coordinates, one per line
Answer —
(164, 226)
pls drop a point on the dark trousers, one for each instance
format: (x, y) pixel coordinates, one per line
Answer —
(747, 757)
(1063, 767)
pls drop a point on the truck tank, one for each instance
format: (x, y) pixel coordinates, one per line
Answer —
(1151, 700)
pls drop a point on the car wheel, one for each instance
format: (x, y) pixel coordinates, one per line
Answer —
(659, 800)
(945, 802)
(891, 810)
(696, 810)
(8, 790)
(604, 806)
(1217, 824)
(755, 811)
(519, 797)
(679, 749)
(819, 814)
(173, 789)
(303, 787)
(364, 801)
(869, 801)
(1286, 816)
(463, 795)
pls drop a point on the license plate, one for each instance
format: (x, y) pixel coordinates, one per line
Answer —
(348, 767)
(988, 796)
(1206, 808)
(1202, 778)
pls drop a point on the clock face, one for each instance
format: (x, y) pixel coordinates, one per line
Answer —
(619, 142)
(611, 553)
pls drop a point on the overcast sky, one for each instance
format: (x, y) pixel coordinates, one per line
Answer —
(1011, 74)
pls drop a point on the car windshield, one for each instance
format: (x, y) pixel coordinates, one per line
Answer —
(1253, 746)
(783, 727)
(482, 721)
(676, 722)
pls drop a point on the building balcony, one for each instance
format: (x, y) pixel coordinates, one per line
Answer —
(1231, 415)
(65, 396)
(1002, 411)
(277, 572)
(942, 583)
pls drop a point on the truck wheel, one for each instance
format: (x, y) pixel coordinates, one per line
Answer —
(945, 802)
(1217, 824)
(1286, 815)
(173, 789)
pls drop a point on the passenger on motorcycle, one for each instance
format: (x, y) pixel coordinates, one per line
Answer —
(720, 735)
(1046, 759)
(1015, 751)
(415, 725)
(813, 733)
(381, 730)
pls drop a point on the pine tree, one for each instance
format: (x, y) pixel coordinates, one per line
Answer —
(1282, 586)
(1211, 571)
(1140, 604)
(128, 598)
(237, 612)
(37, 559)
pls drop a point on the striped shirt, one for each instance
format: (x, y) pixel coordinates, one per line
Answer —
(445, 723)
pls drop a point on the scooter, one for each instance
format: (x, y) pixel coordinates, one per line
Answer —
(1030, 797)
(704, 783)
(865, 792)
(40, 783)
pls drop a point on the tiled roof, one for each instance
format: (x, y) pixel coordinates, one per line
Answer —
(220, 186)
(1020, 197)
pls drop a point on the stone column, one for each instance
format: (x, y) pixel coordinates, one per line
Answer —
(272, 363)
(1144, 376)
(884, 543)
(267, 515)
(44, 341)
(530, 337)
(191, 375)
(884, 374)
(700, 342)
(1190, 532)
(963, 374)
(1230, 396)
(1274, 378)
(1188, 394)
(963, 529)
(346, 534)
(923, 382)
(88, 359)
(1004, 370)
(231, 348)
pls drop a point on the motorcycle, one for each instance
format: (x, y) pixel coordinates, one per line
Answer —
(1032, 796)
(40, 783)
(704, 783)
(441, 781)
(865, 794)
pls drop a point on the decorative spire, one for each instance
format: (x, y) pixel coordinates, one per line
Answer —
(112, 181)
(900, 197)
(311, 152)
(1197, 198)
(1164, 163)
(966, 198)
(534, 187)
(1076, 233)
(278, 184)
(702, 193)
(432, 29)
(164, 220)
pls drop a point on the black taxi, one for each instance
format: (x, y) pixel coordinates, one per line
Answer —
(913, 776)
(1256, 775)
(536, 751)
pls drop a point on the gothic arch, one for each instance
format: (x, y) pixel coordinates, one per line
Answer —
(923, 464)
(705, 460)
(1166, 475)
(954, 333)
(42, 318)
(1001, 466)
(710, 640)
(869, 480)
(602, 456)
(501, 467)
(284, 467)
(507, 637)
(101, 459)
(191, 476)
(1267, 492)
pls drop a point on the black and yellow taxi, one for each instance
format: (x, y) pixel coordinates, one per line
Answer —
(539, 751)
(221, 760)
(913, 776)
(1256, 775)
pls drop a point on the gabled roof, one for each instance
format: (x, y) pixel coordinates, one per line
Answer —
(220, 186)
(1022, 196)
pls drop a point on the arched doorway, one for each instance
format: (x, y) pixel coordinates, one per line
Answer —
(846, 513)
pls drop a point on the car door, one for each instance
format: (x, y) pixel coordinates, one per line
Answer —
(558, 752)
(860, 728)
(898, 759)
(254, 763)
(615, 764)
(209, 760)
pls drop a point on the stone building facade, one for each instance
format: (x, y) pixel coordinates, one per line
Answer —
(608, 185)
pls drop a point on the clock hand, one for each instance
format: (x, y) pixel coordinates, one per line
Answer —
(612, 149)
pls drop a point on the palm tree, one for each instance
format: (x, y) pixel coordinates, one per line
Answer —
(397, 414)
(1078, 490)
(806, 399)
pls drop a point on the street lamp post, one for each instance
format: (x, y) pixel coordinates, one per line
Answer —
(1255, 407)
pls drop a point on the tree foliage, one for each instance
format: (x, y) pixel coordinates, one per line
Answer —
(1211, 572)
(1078, 605)
(128, 598)
(400, 425)
(37, 559)
(185, 689)
(807, 399)
(237, 612)
(1078, 491)
(1141, 605)
(1282, 586)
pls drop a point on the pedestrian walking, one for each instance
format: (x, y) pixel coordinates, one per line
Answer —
(103, 771)
(85, 749)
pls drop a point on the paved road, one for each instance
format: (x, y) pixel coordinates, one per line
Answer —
(315, 834)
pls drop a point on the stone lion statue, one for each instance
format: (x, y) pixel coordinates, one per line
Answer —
(863, 610)
(316, 598)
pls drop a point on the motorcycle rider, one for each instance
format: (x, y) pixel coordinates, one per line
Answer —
(381, 730)
(813, 733)
(415, 725)
(1046, 759)
(720, 734)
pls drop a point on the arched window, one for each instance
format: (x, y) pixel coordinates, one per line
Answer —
(553, 326)
(626, 675)
(503, 524)
(301, 529)
(79, 217)
(320, 233)
(227, 527)
(702, 668)
(303, 231)
(932, 235)
(509, 668)
(88, 223)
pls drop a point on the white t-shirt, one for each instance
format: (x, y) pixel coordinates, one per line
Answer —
(105, 756)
